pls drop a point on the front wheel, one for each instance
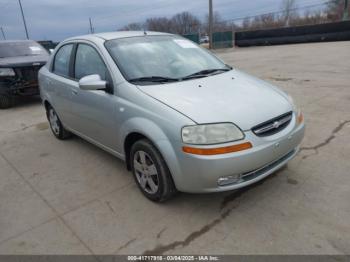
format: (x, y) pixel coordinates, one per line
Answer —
(56, 125)
(150, 171)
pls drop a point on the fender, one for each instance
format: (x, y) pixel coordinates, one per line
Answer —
(157, 136)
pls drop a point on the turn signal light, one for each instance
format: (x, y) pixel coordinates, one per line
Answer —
(300, 117)
(218, 150)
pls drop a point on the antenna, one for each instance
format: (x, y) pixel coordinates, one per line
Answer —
(92, 30)
(3, 33)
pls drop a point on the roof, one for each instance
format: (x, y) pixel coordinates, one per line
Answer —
(118, 34)
(16, 41)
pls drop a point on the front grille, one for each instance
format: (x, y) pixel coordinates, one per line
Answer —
(274, 125)
(28, 73)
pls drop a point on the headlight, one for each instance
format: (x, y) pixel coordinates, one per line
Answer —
(7, 72)
(291, 101)
(299, 114)
(211, 134)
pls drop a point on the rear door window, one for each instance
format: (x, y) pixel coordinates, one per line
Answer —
(62, 60)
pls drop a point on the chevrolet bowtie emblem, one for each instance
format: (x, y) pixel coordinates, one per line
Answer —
(276, 124)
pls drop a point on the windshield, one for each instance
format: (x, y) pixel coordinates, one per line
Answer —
(161, 57)
(25, 48)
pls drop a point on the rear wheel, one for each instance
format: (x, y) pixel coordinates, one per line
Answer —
(6, 101)
(56, 125)
(150, 171)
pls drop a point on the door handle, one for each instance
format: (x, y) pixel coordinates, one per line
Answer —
(74, 92)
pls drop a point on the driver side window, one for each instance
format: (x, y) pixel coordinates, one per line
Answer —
(89, 62)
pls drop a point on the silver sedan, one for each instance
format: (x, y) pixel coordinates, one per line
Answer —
(180, 117)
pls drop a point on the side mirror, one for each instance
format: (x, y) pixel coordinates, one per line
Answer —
(92, 82)
(51, 50)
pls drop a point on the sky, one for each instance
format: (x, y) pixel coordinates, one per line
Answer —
(60, 19)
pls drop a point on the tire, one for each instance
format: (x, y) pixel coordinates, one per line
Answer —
(6, 101)
(56, 125)
(147, 165)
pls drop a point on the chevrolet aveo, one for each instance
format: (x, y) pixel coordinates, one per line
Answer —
(181, 118)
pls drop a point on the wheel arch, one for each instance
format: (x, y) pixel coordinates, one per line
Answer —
(47, 104)
(131, 139)
(141, 128)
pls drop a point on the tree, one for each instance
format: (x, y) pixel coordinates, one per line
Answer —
(185, 23)
(246, 23)
(181, 23)
(288, 9)
(255, 23)
(219, 25)
(132, 27)
(335, 10)
(160, 24)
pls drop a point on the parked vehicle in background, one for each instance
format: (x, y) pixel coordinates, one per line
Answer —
(180, 117)
(20, 62)
(48, 45)
(204, 39)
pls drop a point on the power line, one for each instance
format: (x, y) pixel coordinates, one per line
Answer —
(108, 17)
(265, 10)
(276, 12)
(101, 18)
(138, 9)
(128, 13)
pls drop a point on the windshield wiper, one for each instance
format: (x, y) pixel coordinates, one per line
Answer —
(164, 79)
(156, 79)
(206, 72)
(30, 55)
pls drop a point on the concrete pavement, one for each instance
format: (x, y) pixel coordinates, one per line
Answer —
(72, 198)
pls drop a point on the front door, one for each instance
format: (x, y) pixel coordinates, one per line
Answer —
(93, 112)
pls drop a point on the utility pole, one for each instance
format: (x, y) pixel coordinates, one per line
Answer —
(91, 27)
(3, 33)
(24, 20)
(210, 24)
(346, 10)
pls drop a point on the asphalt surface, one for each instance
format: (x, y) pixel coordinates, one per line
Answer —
(73, 198)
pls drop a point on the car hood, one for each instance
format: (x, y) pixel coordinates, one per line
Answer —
(229, 97)
(21, 61)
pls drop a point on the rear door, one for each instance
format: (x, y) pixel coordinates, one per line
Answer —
(59, 83)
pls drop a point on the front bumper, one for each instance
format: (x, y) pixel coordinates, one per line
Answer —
(18, 87)
(200, 174)
(24, 83)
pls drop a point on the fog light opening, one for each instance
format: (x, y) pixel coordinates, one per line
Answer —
(229, 180)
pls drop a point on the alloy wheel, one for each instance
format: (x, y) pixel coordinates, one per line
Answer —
(146, 172)
(54, 122)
